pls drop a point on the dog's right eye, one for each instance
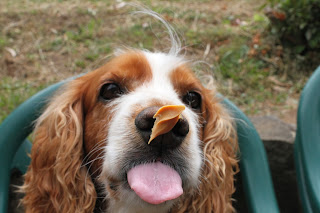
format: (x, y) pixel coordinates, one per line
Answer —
(193, 99)
(110, 91)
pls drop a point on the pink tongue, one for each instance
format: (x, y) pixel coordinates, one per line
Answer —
(155, 182)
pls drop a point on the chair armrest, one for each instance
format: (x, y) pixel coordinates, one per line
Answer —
(21, 159)
(14, 130)
(307, 145)
(254, 165)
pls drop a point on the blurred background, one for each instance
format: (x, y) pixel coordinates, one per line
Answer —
(261, 52)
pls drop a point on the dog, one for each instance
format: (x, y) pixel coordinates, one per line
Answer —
(91, 151)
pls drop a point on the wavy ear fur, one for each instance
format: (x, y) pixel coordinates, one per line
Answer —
(55, 180)
(220, 164)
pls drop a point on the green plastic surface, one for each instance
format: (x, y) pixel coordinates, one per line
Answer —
(13, 132)
(253, 164)
(254, 167)
(21, 161)
(307, 145)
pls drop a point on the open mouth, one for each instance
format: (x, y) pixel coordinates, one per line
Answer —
(155, 182)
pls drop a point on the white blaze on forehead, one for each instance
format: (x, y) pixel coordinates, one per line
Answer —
(162, 65)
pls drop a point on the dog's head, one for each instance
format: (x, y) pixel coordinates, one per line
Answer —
(94, 137)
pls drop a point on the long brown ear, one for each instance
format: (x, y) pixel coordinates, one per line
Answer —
(55, 180)
(220, 164)
(220, 149)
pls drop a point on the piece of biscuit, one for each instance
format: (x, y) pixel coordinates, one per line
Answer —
(166, 118)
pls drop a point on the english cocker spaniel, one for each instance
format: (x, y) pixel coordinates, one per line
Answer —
(92, 153)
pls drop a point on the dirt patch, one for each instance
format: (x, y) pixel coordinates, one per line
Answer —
(45, 42)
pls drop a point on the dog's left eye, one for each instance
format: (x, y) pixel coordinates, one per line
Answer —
(110, 91)
(193, 99)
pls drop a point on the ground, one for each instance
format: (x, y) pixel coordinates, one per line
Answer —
(43, 41)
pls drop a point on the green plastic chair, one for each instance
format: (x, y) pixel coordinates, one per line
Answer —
(307, 145)
(254, 167)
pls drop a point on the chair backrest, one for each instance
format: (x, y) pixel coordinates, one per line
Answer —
(307, 145)
(253, 161)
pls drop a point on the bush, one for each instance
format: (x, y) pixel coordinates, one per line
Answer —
(296, 22)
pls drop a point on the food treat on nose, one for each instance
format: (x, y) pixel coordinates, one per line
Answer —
(166, 118)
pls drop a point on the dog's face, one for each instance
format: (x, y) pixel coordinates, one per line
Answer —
(94, 136)
(126, 93)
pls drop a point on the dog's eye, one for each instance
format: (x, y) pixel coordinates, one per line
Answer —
(193, 99)
(110, 91)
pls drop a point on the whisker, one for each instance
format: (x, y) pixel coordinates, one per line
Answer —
(88, 169)
(96, 171)
(94, 150)
(89, 162)
(95, 146)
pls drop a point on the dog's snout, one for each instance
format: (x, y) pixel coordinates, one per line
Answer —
(144, 121)
(181, 128)
(172, 139)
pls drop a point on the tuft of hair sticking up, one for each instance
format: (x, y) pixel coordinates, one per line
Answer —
(174, 38)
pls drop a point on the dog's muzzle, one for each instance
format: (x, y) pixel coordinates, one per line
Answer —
(170, 140)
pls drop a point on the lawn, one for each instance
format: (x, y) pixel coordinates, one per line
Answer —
(44, 41)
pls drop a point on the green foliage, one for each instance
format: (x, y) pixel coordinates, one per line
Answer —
(13, 92)
(85, 32)
(297, 23)
(80, 64)
(3, 42)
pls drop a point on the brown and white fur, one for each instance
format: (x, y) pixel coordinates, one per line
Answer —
(85, 143)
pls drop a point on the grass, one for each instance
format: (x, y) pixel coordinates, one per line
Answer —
(13, 93)
(79, 35)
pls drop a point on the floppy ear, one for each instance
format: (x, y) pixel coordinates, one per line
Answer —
(220, 164)
(56, 181)
(220, 149)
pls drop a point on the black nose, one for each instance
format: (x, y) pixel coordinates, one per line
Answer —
(144, 123)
